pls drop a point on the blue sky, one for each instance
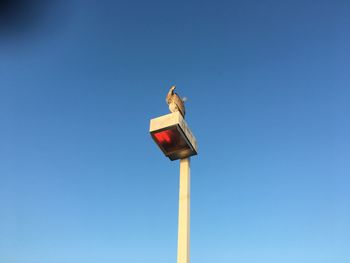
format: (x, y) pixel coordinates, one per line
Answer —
(268, 89)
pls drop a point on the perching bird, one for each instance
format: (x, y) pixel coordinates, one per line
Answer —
(175, 102)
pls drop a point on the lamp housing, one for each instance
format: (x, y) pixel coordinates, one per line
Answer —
(173, 136)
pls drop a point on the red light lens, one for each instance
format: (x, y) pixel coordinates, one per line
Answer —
(164, 136)
(170, 140)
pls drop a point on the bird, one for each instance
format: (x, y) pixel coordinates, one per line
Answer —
(175, 102)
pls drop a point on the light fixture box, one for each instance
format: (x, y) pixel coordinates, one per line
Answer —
(173, 136)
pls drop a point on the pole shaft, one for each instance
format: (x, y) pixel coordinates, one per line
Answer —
(183, 245)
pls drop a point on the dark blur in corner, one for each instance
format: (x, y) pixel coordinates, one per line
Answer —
(20, 17)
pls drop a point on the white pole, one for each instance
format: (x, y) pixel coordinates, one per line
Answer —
(183, 241)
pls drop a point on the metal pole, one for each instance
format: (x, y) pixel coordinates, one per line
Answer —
(183, 241)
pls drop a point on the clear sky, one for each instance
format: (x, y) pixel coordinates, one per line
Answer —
(268, 89)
